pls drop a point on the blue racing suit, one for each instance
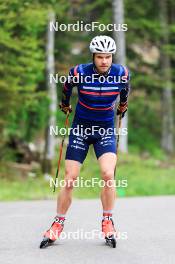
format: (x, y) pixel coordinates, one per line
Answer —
(97, 94)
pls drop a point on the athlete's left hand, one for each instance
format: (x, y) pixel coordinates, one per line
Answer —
(122, 108)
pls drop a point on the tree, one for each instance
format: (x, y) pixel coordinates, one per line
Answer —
(21, 71)
(52, 92)
(167, 102)
(119, 36)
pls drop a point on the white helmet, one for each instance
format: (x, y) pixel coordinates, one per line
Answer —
(102, 44)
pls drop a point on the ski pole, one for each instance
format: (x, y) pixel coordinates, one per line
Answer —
(118, 139)
(61, 150)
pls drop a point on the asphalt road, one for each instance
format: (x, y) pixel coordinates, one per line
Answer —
(146, 226)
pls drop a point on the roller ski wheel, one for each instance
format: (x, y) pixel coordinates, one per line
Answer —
(46, 242)
(111, 241)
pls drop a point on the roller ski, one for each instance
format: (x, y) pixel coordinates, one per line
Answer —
(109, 232)
(51, 235)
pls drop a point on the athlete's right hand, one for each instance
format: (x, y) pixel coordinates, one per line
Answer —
(65, 108)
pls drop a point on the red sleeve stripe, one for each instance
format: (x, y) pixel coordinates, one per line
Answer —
(126, 72)
(65, 87)
(75, 70)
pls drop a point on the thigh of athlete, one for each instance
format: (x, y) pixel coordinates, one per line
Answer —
(105, 150)
(78, 146)
(105, 144)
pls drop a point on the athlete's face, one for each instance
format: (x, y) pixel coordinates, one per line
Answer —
(103, 61)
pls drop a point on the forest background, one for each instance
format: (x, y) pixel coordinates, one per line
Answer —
(148, 165)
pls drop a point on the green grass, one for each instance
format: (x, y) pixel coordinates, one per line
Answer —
(145, 175)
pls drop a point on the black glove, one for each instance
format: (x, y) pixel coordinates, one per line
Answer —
(122, 108)
(65, 108)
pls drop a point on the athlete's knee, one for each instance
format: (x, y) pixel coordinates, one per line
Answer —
(70, 178)
(108, 175)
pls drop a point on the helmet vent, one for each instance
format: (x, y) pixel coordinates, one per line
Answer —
(102, 43)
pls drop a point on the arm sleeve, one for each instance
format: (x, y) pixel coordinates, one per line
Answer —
(68, 86)
(126, 90)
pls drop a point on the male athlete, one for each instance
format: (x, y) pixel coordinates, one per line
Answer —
(95, 107)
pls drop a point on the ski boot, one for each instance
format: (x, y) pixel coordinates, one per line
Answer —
(51, 235)
(109, 231)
